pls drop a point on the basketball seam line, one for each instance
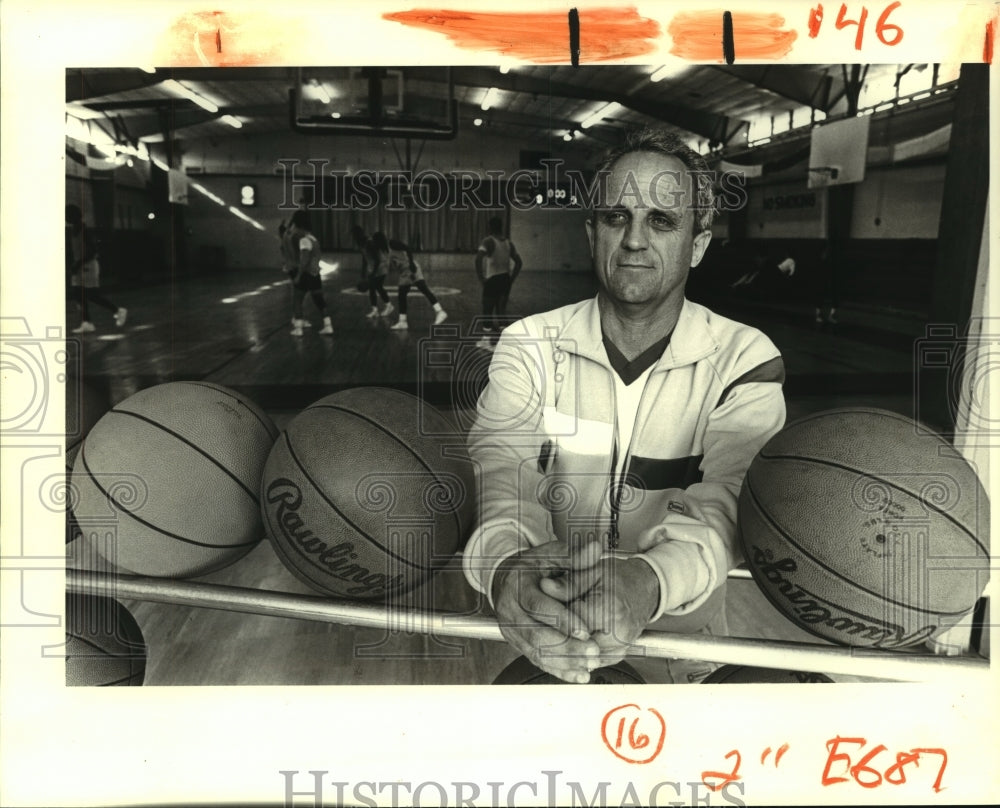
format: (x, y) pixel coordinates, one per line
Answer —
(199, 450)
(835, 573)
(273, 435)
(343, 516)
(378, 426)
(124, 510)
(117, 681)
(773, 600)
(877, 478)
(105, 652)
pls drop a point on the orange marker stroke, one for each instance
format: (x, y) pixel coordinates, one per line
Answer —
(605, 34)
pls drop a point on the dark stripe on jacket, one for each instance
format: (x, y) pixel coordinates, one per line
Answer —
(653, 474)
(773, 370)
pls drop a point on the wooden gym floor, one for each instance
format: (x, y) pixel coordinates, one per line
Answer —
(232, 329)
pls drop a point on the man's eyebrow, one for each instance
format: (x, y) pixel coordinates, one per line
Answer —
(671, 214)
(673, 217)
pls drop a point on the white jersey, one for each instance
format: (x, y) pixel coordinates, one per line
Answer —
(498, 258)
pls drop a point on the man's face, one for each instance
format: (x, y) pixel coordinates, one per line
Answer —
(642, 236)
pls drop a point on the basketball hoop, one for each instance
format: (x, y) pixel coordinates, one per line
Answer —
(830, 172)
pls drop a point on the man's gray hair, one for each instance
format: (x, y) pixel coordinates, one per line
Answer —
(665, 142)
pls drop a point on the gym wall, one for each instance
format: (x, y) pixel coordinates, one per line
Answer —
(893, 230)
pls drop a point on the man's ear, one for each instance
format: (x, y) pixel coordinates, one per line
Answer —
(700, 245)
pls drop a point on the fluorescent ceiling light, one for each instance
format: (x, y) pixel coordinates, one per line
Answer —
(233, 121)
(609, 109)
(241, 215)
(205, 192)
(488, 99)
(191, 95)
(668, 72)
(321, 91)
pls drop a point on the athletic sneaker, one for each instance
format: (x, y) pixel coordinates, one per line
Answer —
(389, 309)
(400, 326)
(297, 330)
(120, 316)
(440, 317)
(373, 314)
(327, 326)
(85, 327)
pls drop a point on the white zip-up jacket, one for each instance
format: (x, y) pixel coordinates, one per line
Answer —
(544, 444)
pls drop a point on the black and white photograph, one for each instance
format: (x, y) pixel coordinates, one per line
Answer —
(408, 384)
(294, 287)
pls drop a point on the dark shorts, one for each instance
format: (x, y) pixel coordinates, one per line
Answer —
(497, 286)
(308, 283)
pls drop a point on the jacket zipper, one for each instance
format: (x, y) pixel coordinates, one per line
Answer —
(614, 497)
(618, 480)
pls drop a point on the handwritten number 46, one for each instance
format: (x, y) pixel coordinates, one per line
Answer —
(887, 33)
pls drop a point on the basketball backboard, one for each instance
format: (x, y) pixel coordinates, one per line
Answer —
(375, 102)
(838, 152)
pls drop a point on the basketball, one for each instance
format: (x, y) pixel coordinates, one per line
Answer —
(104, 644)
(743, 674)
(865, 528)
(85, 404)
(167, 482)
(367, 493)
(523, 672)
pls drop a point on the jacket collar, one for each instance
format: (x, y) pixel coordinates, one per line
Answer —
(691, 340)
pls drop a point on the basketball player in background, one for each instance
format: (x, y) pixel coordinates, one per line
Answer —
(614, 434)
(410, 274)
(374, 269)
(497, 265)
(766, 262)
(824, 284)
(84, 272)
(289, 260)
(306, 278)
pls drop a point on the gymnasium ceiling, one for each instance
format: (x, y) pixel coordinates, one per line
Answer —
(530, 104)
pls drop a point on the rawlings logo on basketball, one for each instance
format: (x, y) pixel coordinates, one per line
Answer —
(337, 558)
(810, 610)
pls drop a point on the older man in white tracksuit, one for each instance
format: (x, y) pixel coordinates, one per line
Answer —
(614, 434)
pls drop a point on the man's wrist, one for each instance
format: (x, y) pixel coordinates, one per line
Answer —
(500, 573)
(646, 586)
